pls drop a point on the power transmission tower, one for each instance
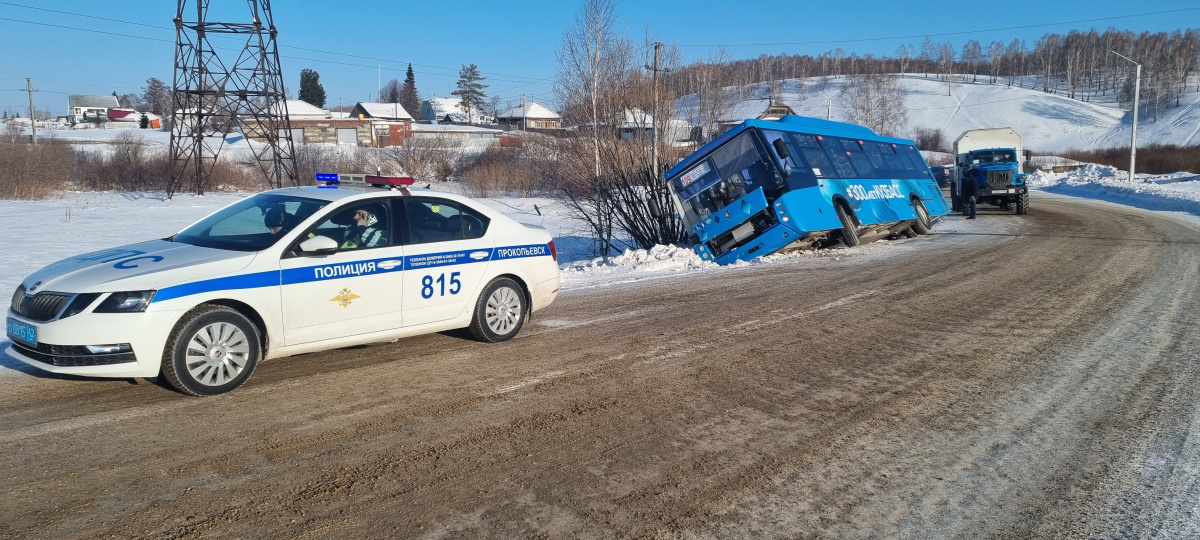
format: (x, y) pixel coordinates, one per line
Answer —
(213, 98)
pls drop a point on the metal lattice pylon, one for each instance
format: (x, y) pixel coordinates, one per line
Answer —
(212, 98)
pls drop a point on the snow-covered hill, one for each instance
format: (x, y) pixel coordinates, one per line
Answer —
(1047, 122)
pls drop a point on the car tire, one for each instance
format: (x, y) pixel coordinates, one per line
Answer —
(923, 224)
(849, 229)
(500, 311)
(1023, 203)
(225, 347)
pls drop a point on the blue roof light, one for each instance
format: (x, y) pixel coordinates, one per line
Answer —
(327, 177)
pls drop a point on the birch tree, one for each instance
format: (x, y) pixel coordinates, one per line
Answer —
(587, 60)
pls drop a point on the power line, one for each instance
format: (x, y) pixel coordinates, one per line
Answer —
(371, 58)
(860, 40)
(82, 15)
(88, 30)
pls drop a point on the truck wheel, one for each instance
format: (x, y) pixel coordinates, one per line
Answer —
(849, 230)
(923, 223)
(1023, 203)
(212, 351)
(500, 311)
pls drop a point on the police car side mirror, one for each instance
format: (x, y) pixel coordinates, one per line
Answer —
(318, 245)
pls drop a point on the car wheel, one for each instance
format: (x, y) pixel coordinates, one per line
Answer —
(500, 311)
(849, 229)
(923, 223)
(1023, 203)
(212, 351)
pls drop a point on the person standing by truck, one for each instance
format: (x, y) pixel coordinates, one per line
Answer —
(968, 192)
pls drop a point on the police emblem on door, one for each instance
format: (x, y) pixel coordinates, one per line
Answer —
(344, 298)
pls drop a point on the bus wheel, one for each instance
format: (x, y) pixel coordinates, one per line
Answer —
(923, 223)
(849, 231)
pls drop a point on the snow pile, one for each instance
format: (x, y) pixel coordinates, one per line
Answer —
(1177, 191)
(655, 260)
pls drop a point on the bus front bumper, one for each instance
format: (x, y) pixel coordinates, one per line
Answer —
(769, 241)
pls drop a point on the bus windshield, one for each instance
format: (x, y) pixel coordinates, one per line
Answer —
(737, 168)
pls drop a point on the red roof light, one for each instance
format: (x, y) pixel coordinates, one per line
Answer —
(389, 180)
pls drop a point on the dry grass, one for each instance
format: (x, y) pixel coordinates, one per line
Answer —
(34, 172)
(521, 170)
(1152, 159)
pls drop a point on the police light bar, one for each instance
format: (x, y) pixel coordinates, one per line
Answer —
(390, 181)
(327, 177)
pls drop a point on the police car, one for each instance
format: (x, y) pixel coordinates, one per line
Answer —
(285, 272)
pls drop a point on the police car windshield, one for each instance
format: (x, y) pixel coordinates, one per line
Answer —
(253, 224)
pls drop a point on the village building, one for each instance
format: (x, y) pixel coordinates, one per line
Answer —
(761, 109)
(84, 108)
(532, 115)
(380, 111)
(450, 111)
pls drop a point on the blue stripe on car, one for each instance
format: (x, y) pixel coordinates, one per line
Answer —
(323, 272)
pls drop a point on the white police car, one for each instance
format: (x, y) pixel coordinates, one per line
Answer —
(284, 272)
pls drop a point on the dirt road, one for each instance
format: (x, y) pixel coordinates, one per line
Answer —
(1042, 382)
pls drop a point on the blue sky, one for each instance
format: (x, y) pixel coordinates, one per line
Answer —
(513, 43)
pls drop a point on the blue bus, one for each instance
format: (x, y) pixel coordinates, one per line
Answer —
(801, 182)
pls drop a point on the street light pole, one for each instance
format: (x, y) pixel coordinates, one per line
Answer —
(1137, 90)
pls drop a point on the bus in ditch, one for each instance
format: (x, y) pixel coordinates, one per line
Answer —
(767, 185)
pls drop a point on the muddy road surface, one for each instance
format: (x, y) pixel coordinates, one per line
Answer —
(1040, 381)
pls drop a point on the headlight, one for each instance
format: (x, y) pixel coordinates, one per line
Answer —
(125, 302)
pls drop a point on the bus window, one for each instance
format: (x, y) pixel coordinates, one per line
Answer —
(842, 168)
(813, 155)
(873, 151)
(894, 162)
(800, 174)
(862, 165)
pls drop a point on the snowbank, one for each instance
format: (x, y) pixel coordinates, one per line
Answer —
(1176, 192)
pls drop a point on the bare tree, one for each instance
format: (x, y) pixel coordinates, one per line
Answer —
(390, 93)
(971, 54)
(591, 55)
(946, 60)
(995, 59)
(904, 54)
(927, 54)
(877, 102)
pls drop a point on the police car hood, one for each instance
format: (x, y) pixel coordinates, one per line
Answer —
(144, 266)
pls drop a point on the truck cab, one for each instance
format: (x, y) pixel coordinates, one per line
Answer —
(996, 170)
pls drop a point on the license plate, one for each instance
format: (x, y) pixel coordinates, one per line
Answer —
(19, 331)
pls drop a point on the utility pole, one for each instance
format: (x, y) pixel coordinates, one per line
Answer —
(654, 119)
(523, 112)
(32, 118)
(1137, 90)
(829, 109)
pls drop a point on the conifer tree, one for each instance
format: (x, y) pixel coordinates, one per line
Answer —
(470, 90)
(311, 91)
(408, 94)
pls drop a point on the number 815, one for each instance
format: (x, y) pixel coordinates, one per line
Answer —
(427, 282)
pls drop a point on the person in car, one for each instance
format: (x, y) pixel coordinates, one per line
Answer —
(365, 232)
(278, 221)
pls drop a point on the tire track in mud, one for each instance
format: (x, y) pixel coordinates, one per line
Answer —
(1015, 384)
